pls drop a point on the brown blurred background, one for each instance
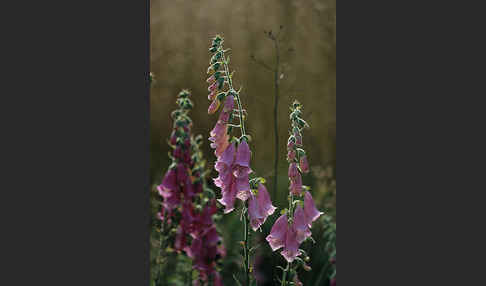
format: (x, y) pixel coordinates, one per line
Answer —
(181, 32)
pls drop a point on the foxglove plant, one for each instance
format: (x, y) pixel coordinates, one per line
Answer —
(186, 207)
(293, 226)
(233, 154)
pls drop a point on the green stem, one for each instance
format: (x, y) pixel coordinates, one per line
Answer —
(243, 133)
(275, 119)
(284, 274)
(290, 214)
(237, 95)
(247, 248)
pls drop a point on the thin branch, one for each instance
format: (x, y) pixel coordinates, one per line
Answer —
(261, 63)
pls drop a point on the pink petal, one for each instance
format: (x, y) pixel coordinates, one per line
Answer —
(300, 225)
(243, 154)
(293, 171)
(241, 172)
(312, 213)
(213, 86)
(228, 155)
(291, 249)
(296, 185)
(254, 212)
(228, 198)
(260, 207)
(291, 155)
(242, 186)
(169, 182)
(213, 106)
(211, 79)
(304, 165)
(277, 235)
(229, 104)
(265, 202)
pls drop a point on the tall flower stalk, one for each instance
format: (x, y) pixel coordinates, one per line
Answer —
(293, 226)
(188, 206)
(276, 81)
(233, 154)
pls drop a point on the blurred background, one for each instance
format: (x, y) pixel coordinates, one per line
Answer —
(181, 33)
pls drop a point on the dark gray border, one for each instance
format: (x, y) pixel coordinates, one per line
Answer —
(76, 145)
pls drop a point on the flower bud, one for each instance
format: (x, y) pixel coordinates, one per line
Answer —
(214, 106)
(306, 267)
(297, 281)
(212, 95)
(211, 79)
(213, 86)
(304, 165)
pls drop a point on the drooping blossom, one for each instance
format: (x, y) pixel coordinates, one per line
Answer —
(260, 207)
(291, 249)
(233, 168)
(296, 184)
(289, 232)
(301, 225)
(278, 233)
(295, 179)
(311, 212)
(304, 165)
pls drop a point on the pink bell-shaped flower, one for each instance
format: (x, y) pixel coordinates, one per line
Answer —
(304, 165)
(300, 225)
(291, 249)
(296, 184)
(278, 233)
(260, 207)
(311, 212)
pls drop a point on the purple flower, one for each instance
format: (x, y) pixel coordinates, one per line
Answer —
(291, 249)
(260, 207)
(213, 86)
(214, 106)
(300, 225)
(243, 154)
(296, 184)
(278, 233)
(169, 191)
(293, 171)
(311, 212)
(298, 138)
(233, 168)
(169, 182)
(212, 95)
(304, 165)
(211, 79)
(291, 155)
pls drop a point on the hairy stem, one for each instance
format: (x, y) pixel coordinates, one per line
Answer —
(247, 248)
(284, 274)
(237, 95)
